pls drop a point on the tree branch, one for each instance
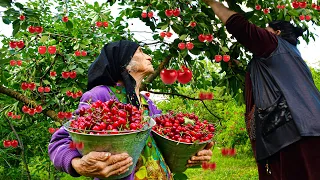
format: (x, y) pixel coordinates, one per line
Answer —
(187, 97)
(151, 77)
(20, 97)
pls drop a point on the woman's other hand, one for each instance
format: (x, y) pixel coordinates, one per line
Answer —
(102, 164)
(202, 156)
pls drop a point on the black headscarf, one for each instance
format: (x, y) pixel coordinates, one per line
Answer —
(110, 67)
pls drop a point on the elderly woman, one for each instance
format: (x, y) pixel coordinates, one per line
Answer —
(282, 101)
(117, 73)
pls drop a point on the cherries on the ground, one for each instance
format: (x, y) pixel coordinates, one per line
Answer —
(183, 127)
(111, 117)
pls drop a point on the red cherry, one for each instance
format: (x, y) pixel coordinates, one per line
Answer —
(232, 152)
(105, 24)
(13, 44)
(6, 143)
(168, 34)
(22, 17)
(31, 29)
(10, 114)
(18, 116)
(53, 73)
(295, 4)
(32, 111)
(83, 53)
(52, 49)
(68, 115)
(77, 53)
(40, 89)
(39, 109)
(224, 151)
(266, 11)
(51, 130)
(133, 126)
(80, 145)
(47, 89)
(144, 14)
(69, 93)
(278, 6)
(19, 62)
(98, 23)
(303, 4)
(169, 12)
(79, 93)
(148, 94)
(61, 115)
(162, 34)
(212, 166)
(65, 19)
(25, 109)
(72, 145)
(38, 29)
(314, 6)
(32, 86)
(202, 37)
(42, 49)
(65, 75)
(202, 96)
(205, 165)
(209, 37)
(283, 6)
(20, 44)
(150, 14)
(13, 62)
(168, 76)
(74, 95)
(73, 74)
(176, 12)
(184, 76)
(209, 96)
(193, 24)
(217, 58)
(226, 58)
(308, 17)
(189, 45)
(258, 7)
(182, 45)
(301, 17)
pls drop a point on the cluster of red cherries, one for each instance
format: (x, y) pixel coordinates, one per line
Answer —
(110, 117)
(183, 127)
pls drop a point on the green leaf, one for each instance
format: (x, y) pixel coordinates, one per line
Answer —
(164, 27)
(76, 46)
(5, 3)
(94, 20)
(80, 71)
(183, 37)
(57, 123)
(15, 27)
(6, 21)
(19, 5)
(180, 176)
(225, 49)
(69, 24)
(43, 39)
(46, 82)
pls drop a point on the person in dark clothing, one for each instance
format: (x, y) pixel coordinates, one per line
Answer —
(286, 145)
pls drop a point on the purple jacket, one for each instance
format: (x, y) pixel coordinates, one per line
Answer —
(59, 151)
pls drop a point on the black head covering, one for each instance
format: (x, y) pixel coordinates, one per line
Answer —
(110, 67)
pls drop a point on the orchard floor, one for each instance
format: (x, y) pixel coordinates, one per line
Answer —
(240, 167)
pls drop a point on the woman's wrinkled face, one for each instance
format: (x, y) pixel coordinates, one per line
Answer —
(140, 63)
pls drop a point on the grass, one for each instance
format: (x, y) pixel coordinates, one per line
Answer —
(238, 167)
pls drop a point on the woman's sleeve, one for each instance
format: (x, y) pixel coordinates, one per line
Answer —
(60, 153)
(257, 40)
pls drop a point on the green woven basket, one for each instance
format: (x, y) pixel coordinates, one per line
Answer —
(176, 154)
(131, 143)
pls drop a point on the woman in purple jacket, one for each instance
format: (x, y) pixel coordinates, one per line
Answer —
(117, 73)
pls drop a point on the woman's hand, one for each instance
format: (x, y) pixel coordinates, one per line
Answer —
(202, 156)
(102, 164)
